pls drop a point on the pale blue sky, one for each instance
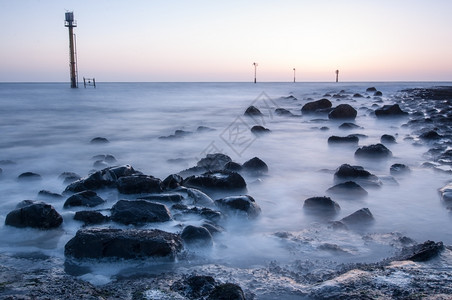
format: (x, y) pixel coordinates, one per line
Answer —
(201, 40)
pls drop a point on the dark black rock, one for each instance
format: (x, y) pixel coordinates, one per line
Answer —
(347, 171)
(24, 203)
(49, 195)
(349, 189)
(255, 166)
(350, 139)
(259, 130)
(378, 94)
(36, 215)
(357, 95)
(348, 126)
(371, 89)
(197, 236)
(195, 286)
(172, 198)
(172, 181)
(343, 111)
(253, 111)
(399, 169)
(99, 140)
(90, 217)
(69, 177)
(139, 212)
(227, 291)
(390, 111)
(139, 184)
(98, 180)
(216, 181)
(233, 166)
(212, 162)
(322, 105)
(387, 139)
(127, 244)
(373, 151)
(359, 217)
(241, 205)
(212, 227)
(421, 252)
(283, 112)
(430, 135)
(29, 176)
(321, 205)
(85, 198)
(122, 171)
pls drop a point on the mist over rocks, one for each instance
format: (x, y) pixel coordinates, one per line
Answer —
(349, 189)
(29, 176)
(99, 140)
(196, 236)
(259, 130)
(360, 217)
(253, 111)
(239, 205)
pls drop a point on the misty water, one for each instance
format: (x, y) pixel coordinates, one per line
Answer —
(46, 128)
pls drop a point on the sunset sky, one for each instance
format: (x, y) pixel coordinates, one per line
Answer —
(146, 40)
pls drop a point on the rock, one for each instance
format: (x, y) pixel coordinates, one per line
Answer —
(126, 244)
(421, 252)
(99, 140)
(348, 189)
(139, 212)
(172, 181)
(322, 105)
(29, 176)
(90, 217)
(212, 162)
(195, 286)
(139, 184)
(177, 134)
(36, 215)
(216, 181)
(202, 129)
(69, 177)
(172, 198)
(49, 195)
(359, 217)
(283, 112)
(196, 236)
(348, 126)
(212, 227)
(343, 111)
(204, 212)
(85, 198)
(390, 111)
(239, 205)
(233, 166)
(373, 151)
(255, 166)
(430, 135)
(446, 193)
(399, 169)
(24, 203)
(321, 205)
(350, 139)
(253, 111)
(227, 291)
(101, 179)
(347, 171)
(387, 139)
(371, 89)
(378, 94)
(357, 95)
(259, 130)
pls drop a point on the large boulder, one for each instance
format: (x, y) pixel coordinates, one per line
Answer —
(98, 180)
(125, 244)
(139, 212)
(358, 174)
(350, 139)
(215, 161)
(255, 166)
(321, 205)
(322, 105)
(139, 184)
(196, 236)
(34, 214)
(217, 181)
(239, 205)
(85, 198)
(373, 151)
(390, 111)
(343, 111)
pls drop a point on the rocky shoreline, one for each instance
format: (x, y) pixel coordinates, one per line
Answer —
(410, 274)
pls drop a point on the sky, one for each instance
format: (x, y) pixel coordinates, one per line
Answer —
(200, 40)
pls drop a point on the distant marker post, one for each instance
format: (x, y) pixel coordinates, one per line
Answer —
(255, 70)
(337, 75)
(294, 75)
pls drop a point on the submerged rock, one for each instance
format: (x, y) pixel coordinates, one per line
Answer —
(259, 130)
(343, 111)
(34, 214)
(139, 212)
(196, 236)
(373, 151)
(253, 111)
(359, 217)
(399, 169)
(347, 171)
(387, 139)
(69, 177)
(85, 198)
(350, 139)
(212, 162)
(241, 205)
(321, 205)
(90, 217)
(126, 244)
(99, 140)
(255, 166)
(49, 195)
(283, 112)
(29, 176)
(430, 135)
(348, 126)
(371, 89)
(390, 111)
(349, 189)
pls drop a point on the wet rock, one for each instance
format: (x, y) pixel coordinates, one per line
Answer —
(359, 217)
(69, 177)
(259, 130)
(203, 213)
(239, 205)
(195, 286)
(90, 217)
(202, 129)
(253, 111)
(321, 205)
(139, 212)
(357, 95)
(348, 189)
(216, 181)
(421, 252)
(139, 184)
(196, 236)
(171, 198)
(44, 194)
(350, 139)
(195, 196)
(7, 162)
(255, 166)
(390, 111)
(98, 180)
(387, 139)
(446, 193)
(233, 166)
(348, 126)
(373, 151)
(371, 89)
(343, 111)
(126, 244)
(399, 169)
(177, 135)
(36, 215)
(322, 105)
(430, 135)
(347, 171)
(283, 112)
(29, 176)
(24, 203)
(227, 291)
(99, 140)
(212, 162)
(85, 198)
(172, 181)
(212, 227)
(378, 94)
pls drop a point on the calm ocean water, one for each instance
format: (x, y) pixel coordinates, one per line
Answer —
(46, 128)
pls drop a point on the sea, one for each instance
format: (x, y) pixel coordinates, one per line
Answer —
(47, 128)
